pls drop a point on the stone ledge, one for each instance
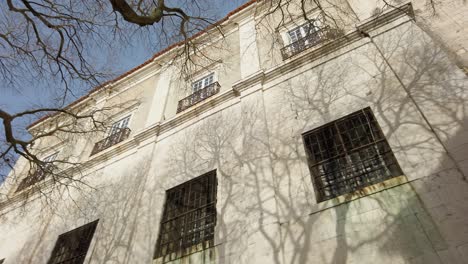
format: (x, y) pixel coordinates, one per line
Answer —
(366, 191)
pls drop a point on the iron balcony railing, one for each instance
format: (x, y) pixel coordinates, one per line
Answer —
(311, 40)
(198, 96)
(37, 176)
(111, 140)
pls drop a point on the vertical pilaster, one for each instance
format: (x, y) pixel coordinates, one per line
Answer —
(158, 103)
(249, 59)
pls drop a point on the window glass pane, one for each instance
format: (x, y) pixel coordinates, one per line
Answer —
(295, 34)
(209, 80)
(202, 83)
(196, 86)
(117, 126)
(305, 30)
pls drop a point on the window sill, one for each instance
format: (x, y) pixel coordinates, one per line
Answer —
(366, 191)
(197, 253)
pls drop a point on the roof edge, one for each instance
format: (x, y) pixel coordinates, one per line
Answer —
(135, 69)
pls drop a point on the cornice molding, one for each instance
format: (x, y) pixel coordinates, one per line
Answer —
(330, 47)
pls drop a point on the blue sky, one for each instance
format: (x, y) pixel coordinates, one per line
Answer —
(41, 93)
(122, 60)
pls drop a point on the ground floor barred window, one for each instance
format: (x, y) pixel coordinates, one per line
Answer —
(189, 218)
(348, 154)
(71, 247)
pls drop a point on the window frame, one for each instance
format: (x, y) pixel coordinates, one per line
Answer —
(118, 125)
(203, 82)
(36, 174)
(319, 168)
(177, 233)
(315, 18)
(62, 240)
(302, 31)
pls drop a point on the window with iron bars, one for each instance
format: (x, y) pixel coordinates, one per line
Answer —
(189, 218)
(71, 247)
(119, 125)
(118, 132)
(39, 173)
(349, 154)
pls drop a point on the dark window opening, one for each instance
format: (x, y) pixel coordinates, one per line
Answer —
(349, 154)
(71, 247)
(189, 218)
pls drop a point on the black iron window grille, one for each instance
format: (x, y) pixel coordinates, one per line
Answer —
(349, 154)
(189, 218)
(305, 37)
(71, 247)
(117, 136)
(39, 173)
(199, 95)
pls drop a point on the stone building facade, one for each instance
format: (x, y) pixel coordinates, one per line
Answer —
(314, 142)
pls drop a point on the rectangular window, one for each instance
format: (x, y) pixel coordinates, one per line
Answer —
(119, 125)
(303, 32)
(305, 36)
(118, 132)
(39, 173)
(349, 154)
(189, 218)
(71, 247)
(202, 83)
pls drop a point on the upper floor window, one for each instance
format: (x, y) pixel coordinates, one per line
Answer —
(302, 31)
(39, 173)
(118, 132)
(202, 83)
(121, 124)
(71, 247)
(202, 89)
(305, 36)
(349, 154)
(189, 218)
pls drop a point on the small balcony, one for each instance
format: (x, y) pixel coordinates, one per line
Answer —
(198, 96)
(37, 176)
(309, 41)
(111, 140)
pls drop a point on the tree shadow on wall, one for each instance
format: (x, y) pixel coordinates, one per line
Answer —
(266, 209)
(124, 204)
